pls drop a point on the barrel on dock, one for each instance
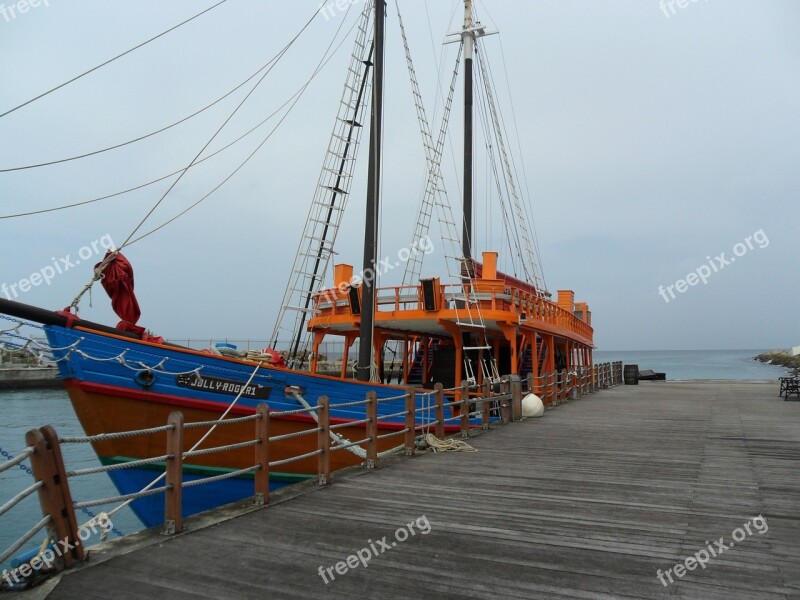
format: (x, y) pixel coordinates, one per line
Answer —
(631, 375)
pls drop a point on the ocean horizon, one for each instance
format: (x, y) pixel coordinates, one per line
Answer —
(687, 365)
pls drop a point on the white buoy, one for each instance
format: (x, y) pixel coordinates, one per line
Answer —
(532, 406)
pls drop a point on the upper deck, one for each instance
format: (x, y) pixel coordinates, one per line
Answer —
(489, 303)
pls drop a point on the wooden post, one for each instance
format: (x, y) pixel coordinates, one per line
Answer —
(410, 421)
(262, 455)
(55, 498)
(439, 398)
(372, 429)
(516, 397)
(554, 387)
(465, 409)
(324, 441)
(173, 497)
(486, 407)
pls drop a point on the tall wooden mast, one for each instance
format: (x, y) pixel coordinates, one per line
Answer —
(366, 329)
(469, 49)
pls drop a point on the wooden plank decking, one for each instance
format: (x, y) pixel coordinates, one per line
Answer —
(588, 502)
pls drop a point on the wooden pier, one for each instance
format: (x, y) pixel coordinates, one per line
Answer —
(590, 501)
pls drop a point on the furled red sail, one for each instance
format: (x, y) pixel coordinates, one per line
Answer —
(118, 284)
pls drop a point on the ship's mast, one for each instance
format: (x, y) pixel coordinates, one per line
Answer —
(469, 49)
(471, 31)
(366, 329)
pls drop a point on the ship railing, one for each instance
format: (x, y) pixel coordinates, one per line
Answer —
(465, 402)
(410, 297)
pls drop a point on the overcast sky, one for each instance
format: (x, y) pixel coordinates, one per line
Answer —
(653, 140)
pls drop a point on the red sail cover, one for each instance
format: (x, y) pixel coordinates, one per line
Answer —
(118, 284)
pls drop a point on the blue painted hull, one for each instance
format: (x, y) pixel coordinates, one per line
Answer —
(90, 357)
(118, 384)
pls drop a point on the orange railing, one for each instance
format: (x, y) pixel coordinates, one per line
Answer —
(510, 299)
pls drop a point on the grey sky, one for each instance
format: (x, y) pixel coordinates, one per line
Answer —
(651, 142)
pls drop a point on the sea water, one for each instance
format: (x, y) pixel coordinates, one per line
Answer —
(21, 411)
(681, 365)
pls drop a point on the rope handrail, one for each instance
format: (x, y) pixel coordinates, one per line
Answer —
(561, 383)
(217, 449)
(102, 437)
(349, 424)
(402, 413)
(295, 411)
(19, 497)
(277, 463)
(119, 466)
(448, 419)
(121, 498)
(24, 539)
(234, 421)
(19, 458)
(387, 399)
(231, 475)
(392, 434)
(346, 404)
(351, 444)
(289, 436)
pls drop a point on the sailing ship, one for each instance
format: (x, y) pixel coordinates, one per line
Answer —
(481, 323)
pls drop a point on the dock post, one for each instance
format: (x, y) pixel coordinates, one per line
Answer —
(55, 498)
(516, 397)
(173, 497)
(486, 407)
(439, 399)
(554, 388)
(324, 441)
(465, 409)
(262, 455)
(372, 429)
(411, 421)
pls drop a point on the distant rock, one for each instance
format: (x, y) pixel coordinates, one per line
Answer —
(779, 357)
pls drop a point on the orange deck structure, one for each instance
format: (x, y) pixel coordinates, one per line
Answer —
(515, 319)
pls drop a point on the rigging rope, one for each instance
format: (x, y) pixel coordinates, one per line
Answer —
(297, 97)
(142, 137)
(98, 271)
(299, 91)
(109, 61)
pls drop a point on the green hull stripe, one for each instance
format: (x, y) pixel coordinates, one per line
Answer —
(206, 471)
